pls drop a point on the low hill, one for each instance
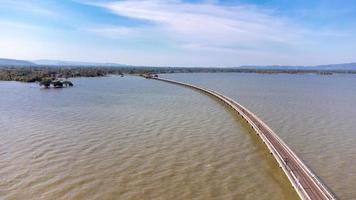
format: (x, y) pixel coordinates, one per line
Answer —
(344, 66)
(14, 62)
(76, 63)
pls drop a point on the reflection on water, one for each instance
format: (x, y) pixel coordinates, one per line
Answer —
(129, 138)
(314, 114)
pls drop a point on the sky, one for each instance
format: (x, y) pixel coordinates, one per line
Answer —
(186, 33)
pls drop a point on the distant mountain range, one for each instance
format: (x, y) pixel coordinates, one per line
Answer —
(14, 62)
(76, 63)
(344, 66)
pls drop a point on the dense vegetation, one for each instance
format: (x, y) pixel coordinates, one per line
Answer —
(39, 74)
(55, 83)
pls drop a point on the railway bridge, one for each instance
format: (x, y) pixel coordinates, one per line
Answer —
(304, 181)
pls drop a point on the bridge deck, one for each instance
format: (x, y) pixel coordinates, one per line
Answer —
(306, 184)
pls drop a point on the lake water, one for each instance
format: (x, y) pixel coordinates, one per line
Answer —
(315, 115)
(132, 138)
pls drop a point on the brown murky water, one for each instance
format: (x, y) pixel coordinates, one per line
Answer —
(315, 115)
(131, 138)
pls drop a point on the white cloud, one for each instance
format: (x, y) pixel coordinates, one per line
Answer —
(211, 33)
(114, 32)
(12, 25)
(27, 6)
(209, 24)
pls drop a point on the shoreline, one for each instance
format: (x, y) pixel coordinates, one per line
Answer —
(37, 74)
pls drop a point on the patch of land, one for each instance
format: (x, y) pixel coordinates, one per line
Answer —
(53, 74)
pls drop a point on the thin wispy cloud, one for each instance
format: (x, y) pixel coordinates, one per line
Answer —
(209, 24)
(114, 32)
(8, 25)
(27, 7)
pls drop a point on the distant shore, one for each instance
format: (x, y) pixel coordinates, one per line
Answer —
(38, 74)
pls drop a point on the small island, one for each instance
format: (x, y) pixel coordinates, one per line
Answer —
(47, 83)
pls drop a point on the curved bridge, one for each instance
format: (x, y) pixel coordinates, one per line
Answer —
(303, 180)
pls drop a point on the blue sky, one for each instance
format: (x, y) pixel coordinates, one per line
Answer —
(181, 32)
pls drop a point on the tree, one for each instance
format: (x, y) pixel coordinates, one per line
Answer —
(67, 83)
(57, 84)
(46, 83)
